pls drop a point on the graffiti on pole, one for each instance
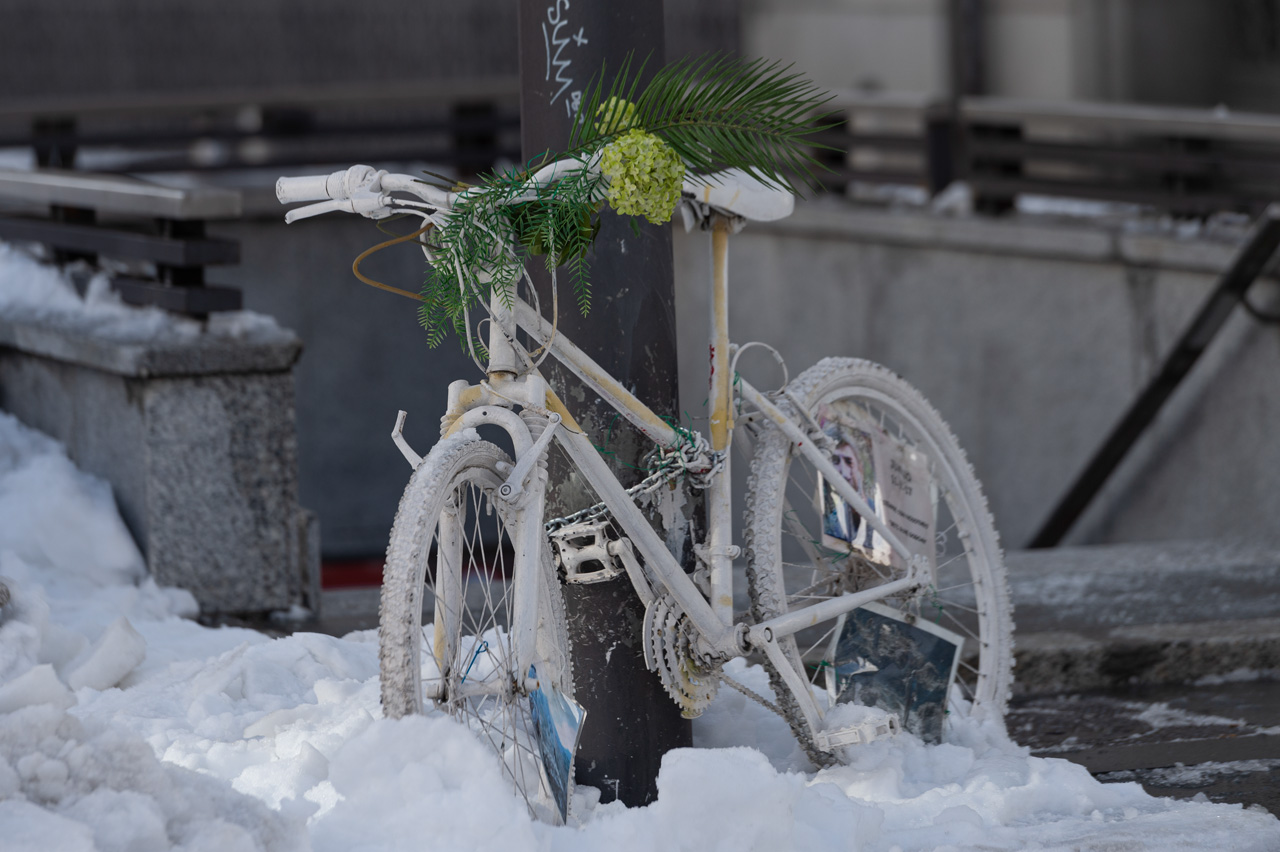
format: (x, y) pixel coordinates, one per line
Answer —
(561, 40)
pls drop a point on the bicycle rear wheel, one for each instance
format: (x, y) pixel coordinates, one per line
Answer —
(447, 607)
(789, 532)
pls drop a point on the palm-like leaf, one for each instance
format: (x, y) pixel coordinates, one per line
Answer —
(720, 112)
(716, 112)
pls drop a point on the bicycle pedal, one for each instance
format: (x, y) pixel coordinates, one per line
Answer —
(582, 552)
(878, 727)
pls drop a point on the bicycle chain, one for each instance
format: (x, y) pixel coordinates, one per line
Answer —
(752, 694)
(694, 460)
(674, 462)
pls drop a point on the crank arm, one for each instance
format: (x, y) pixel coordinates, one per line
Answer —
(826, 739)
(624, 551)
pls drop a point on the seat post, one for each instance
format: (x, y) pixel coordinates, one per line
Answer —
(719, 552)
(721, 381)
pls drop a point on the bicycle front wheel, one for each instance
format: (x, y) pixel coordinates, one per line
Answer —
(797, 554)
(445, 632)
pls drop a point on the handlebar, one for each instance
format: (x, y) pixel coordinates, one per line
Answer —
(359, 189)
(366, 191)
(363, 190)
(337, 186)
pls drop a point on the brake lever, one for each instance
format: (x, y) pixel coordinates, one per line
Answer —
(371, 205)
(310, 210)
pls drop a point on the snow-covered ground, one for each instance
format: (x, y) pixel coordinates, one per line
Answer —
(124, 725)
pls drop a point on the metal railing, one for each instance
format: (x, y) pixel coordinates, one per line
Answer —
(468, 124)
(157, 232)
(1186, 161)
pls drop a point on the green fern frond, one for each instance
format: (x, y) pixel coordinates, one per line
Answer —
(581, 282)
(714, 113)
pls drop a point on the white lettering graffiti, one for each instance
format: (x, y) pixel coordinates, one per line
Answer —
(552, 38)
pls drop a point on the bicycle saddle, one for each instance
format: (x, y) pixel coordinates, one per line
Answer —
(739, 194)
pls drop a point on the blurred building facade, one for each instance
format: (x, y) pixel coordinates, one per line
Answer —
(113, 47)
(1198, 53)
(1030, 337)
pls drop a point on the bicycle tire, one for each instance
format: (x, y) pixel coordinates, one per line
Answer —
(980, 608)
(470, 603)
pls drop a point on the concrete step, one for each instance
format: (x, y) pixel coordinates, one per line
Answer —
(1106, 616)
(1096, 617)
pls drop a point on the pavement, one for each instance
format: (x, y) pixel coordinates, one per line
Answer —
(1157, 663)
(1218, 739)
(1153, 662)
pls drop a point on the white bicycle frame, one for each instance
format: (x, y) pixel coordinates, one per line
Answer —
(511, 380)
(470, 405)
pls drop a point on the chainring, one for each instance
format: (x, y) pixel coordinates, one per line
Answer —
(669, 642)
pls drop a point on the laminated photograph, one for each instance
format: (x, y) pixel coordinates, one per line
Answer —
(878, 658)
(557, 724)
(891, 476)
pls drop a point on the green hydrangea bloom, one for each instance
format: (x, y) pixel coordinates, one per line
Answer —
(645, 176)
(615, 115)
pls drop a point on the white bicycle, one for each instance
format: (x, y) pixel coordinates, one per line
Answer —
(861, 513)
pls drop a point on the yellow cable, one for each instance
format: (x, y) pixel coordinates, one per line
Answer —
(355, 266)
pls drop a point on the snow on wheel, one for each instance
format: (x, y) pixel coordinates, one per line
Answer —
(796, 540)
(447, 608)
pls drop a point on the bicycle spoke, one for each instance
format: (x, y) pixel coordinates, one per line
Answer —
(469, 594)
(822, 642)
(802, 596)
(956, 558)
(966, 688)
(499, 746)
(960, 624)
(955, 605)
(872, 413)
(815, 557)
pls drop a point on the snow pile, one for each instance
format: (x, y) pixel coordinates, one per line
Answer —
(76, 586)
(1161, 715)
(1243, 675)
(36, 292)
(73, 573)
(70, 785)
(227, 740)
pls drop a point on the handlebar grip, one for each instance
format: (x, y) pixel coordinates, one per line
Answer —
(308, 188)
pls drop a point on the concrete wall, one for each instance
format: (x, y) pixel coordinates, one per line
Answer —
(891, 45)
(1030, 338)
(196, 438)
(109, 47)
(366, 357)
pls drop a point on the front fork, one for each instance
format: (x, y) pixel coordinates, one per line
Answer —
(523, 491)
